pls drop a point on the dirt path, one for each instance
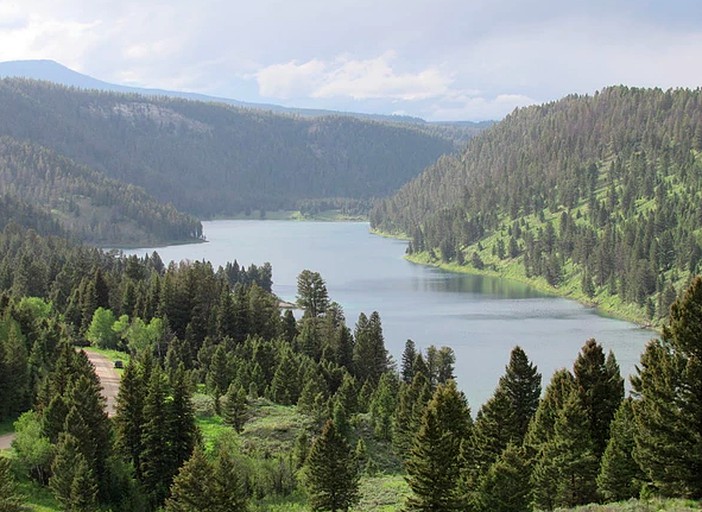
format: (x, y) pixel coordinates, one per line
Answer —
(109, 379)
(104, 368)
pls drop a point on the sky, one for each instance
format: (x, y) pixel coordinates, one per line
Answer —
(441, 60)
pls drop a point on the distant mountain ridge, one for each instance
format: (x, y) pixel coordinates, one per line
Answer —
(55, 72)
(214, 159)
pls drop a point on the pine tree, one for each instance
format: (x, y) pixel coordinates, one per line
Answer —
(312, 293)
(192, 488)
(506, 486)
(407, 366)
(87, 420)
(434, 465)
(180, 422)
(370, 358)
(235, 407)
(156, 463)
(64, 467)
(10, 499)
(218, 375)
(669, 413)
(620, 476)
(129, 416)
(331, 472)
(522, 386)
(285, 388)
(383, 405)
(601, 390)
(412, 401)
(564, 473)
(84, 488)
(229, 487)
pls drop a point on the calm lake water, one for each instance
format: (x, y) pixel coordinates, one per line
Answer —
(481, 318)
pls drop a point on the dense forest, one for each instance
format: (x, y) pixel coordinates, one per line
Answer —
(83, 203)
(214, 159)
(210, 346)
(599, 196)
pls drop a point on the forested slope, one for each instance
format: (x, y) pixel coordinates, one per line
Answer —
(598, 195)
(214, 159)
(54, 195)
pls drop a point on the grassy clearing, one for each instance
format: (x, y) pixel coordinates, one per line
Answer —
(651, 505)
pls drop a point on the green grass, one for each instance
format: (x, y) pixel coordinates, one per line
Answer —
(272, 429)
(211, 428)
(382, 493)
(652, 505)
(38, 498)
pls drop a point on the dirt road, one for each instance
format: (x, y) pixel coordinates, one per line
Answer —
(110, 386)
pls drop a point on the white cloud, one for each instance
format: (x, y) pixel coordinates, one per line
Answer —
(291, 79)
(450, 58)
(344, 77)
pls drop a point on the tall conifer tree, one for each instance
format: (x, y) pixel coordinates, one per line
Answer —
(434, 465)
(669, 414)
(331, 472)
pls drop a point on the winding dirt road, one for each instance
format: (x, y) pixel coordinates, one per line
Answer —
(110, 386)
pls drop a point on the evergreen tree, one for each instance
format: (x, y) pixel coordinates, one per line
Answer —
(407, 366)
(229, 487)
(412, 401)
(505, 487)
(565, 471)
(522, 386)
(218, 374)
(285, 388)
(370, 358)
(601, 390)
(192, 488)
(434, 465)
(72, 481)
(84, 488)
(331, 472)
(383, 405)
(129, 414)
(10, 499)
(156, 461)
(312, 293)
(180, 422)
(235, 407)
(620, 476)
(669, 413)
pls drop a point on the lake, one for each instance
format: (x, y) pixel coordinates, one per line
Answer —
(481, 318)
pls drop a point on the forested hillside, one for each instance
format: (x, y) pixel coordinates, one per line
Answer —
(598, 196)
(226, 403)
(213, 159)
(83, 202)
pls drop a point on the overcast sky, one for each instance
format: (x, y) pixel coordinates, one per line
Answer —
(438, 59)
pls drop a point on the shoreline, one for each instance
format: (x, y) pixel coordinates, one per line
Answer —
(514, 272)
